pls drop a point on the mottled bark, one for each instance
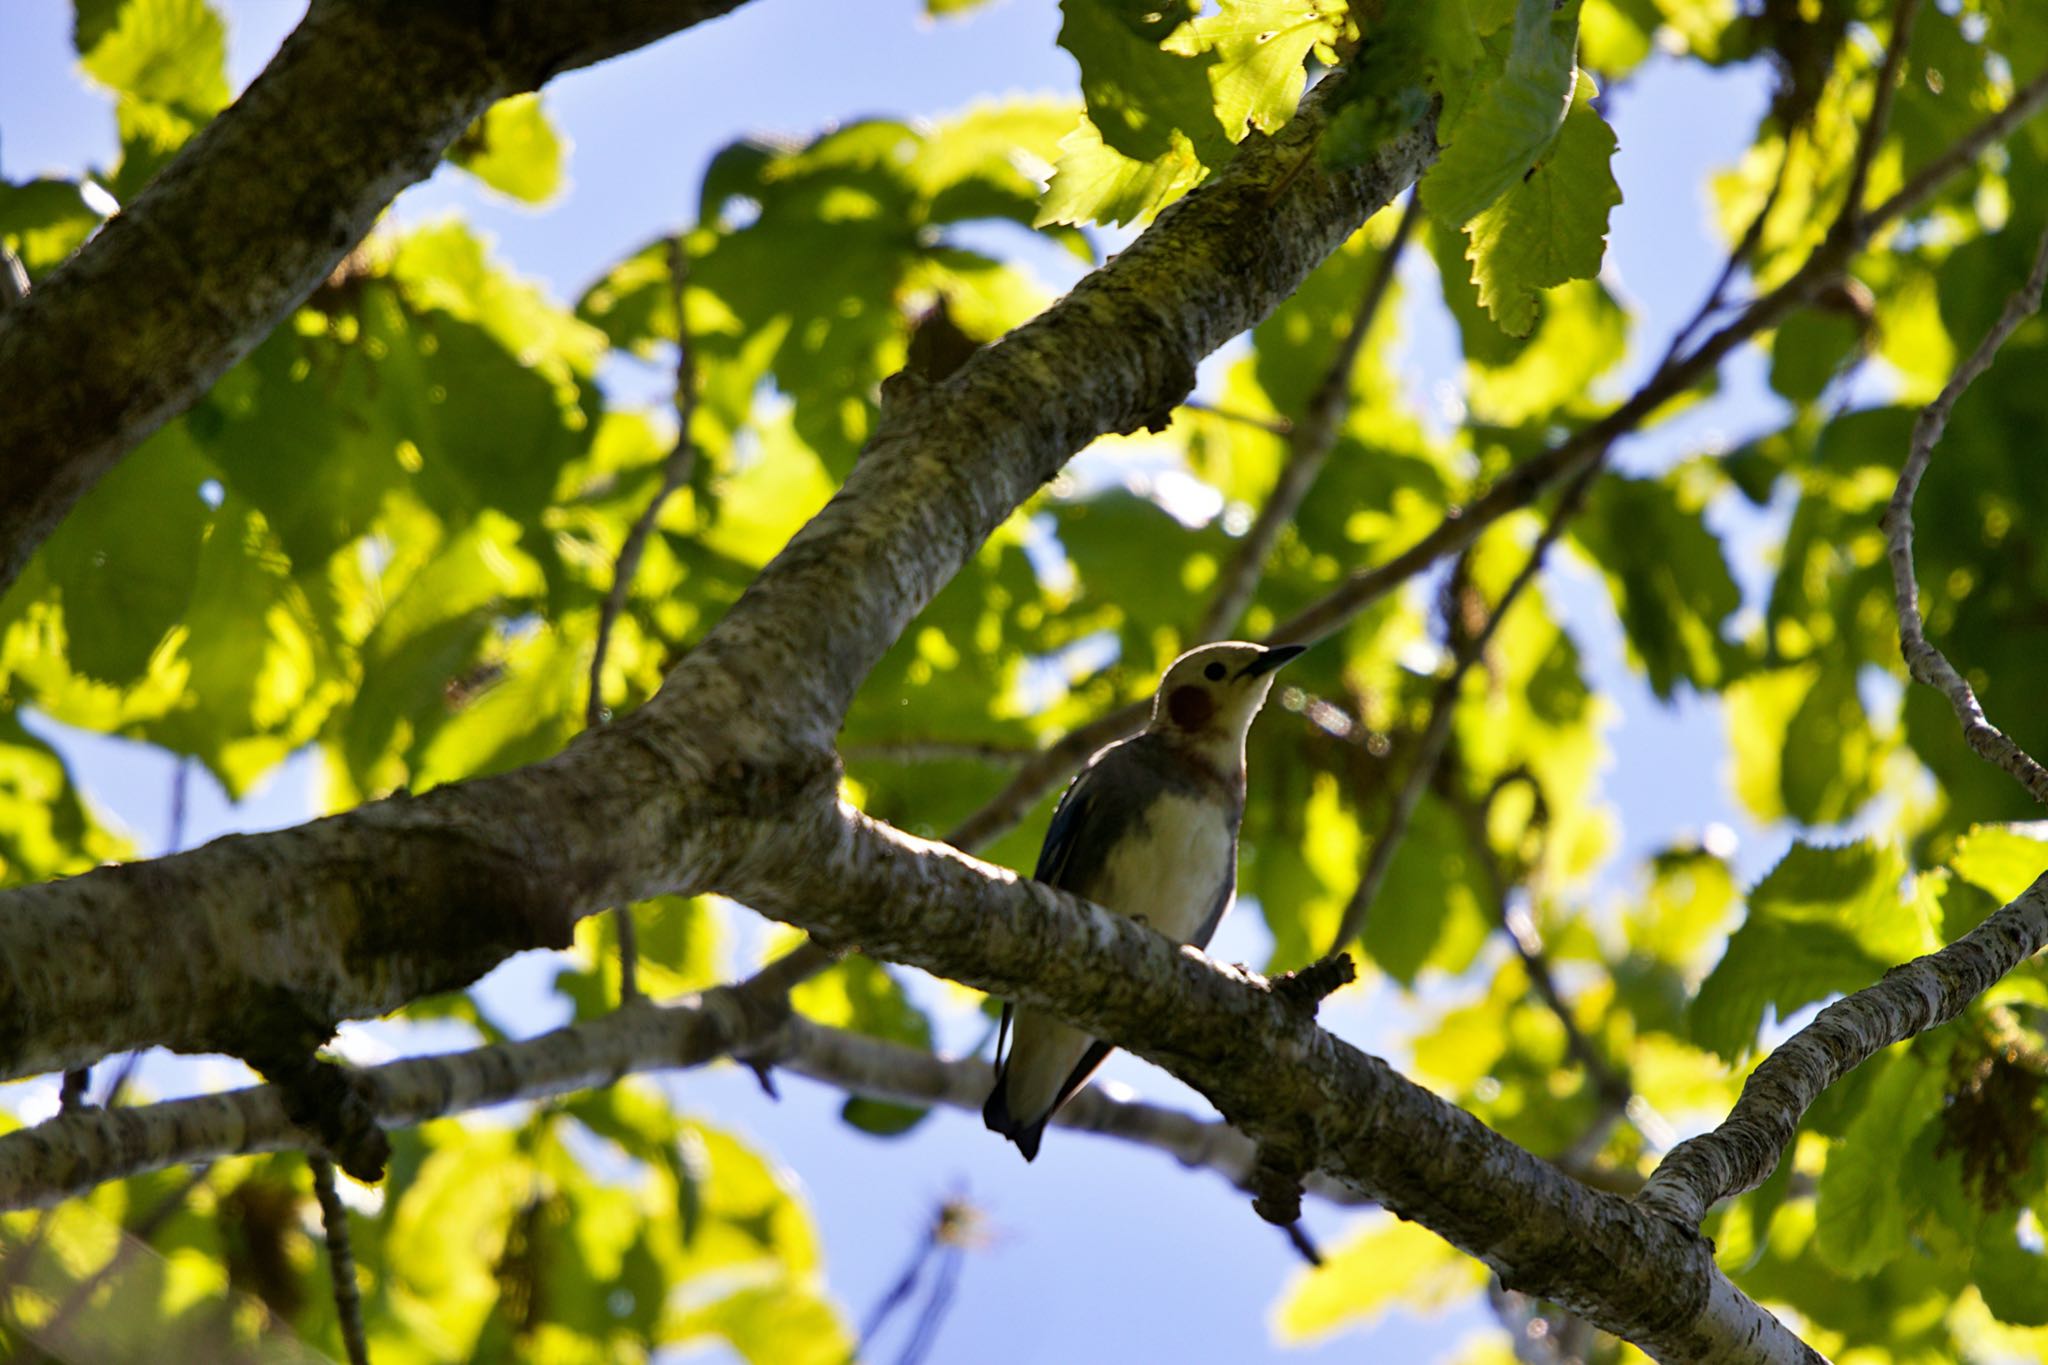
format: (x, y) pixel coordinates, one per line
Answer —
(726, 780)
(255, 939)
(361, 101)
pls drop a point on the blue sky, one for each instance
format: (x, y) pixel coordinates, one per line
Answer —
(1098, 1252)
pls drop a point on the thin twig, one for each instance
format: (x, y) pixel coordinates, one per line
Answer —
(1924, 661)
(1429, 749)
(1527, 481)
(1738, 256)
(1272, 426)
(341, 1261)
(1848, 220)
(682, 459)
(1309, 444)
(932, 750)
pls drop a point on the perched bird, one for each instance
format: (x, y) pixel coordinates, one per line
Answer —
(1149, 830)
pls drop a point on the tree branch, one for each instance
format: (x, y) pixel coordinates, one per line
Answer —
(1429, 747)
(355, 915)
(360, 101)
(1741, 1153)
(1925, 661)
(1275, 1075)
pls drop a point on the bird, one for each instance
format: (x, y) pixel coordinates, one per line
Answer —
(1149, 830)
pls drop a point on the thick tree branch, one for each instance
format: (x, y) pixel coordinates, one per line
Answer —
(71, 1154)
(361, 101)
(1287, 1084)
(282, 934)
(1741, 1153)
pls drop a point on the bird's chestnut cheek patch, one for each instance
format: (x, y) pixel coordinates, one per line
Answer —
(1191, 707)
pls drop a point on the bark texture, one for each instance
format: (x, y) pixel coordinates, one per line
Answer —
(727, 781)
(361, 101)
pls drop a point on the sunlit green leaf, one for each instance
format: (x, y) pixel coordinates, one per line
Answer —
(514, 149)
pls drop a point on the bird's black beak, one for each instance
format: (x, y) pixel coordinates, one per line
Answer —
(1270, 660)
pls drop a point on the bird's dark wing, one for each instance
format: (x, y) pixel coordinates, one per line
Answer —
(1054, 857)
(1216, 911)
(1061, 835)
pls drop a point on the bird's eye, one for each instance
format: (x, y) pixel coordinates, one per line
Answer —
(1215, 672)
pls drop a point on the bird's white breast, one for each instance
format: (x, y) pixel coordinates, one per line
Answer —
(1169, 870)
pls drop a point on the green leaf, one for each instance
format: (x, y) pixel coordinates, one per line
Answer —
(1833, 759)
(1144, 100)
(43, 221)
(514, 149)
(2012, 1277)
(1551, 225)
(1824, 921)
(1861, 1215)
(1095, 183)
(2002, 859)
(126, 560)
(1387, 1263)
(1258, 50)
(167, 61)
(1668, 575)
(168, 52)
(1809, 350)
(45, 828)
(772, 1324)
(1511, 122)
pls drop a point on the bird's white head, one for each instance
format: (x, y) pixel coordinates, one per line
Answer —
(1209, 696)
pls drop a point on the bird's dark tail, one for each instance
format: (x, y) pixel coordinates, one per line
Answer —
(996, 1114)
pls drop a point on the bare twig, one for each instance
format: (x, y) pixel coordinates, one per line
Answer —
(1430, 747)
(1849, 219)
(1272, 426)
(1741, 1153)
(682, 458)
(1309, 444)
(1523, 484)
(341, 1261)
(934, 750)
(1924, 661)
(1745, 246)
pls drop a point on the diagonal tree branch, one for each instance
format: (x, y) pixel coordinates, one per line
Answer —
(1741, 1153)
(360, 101)
(353, 915)
(1288, 1085)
